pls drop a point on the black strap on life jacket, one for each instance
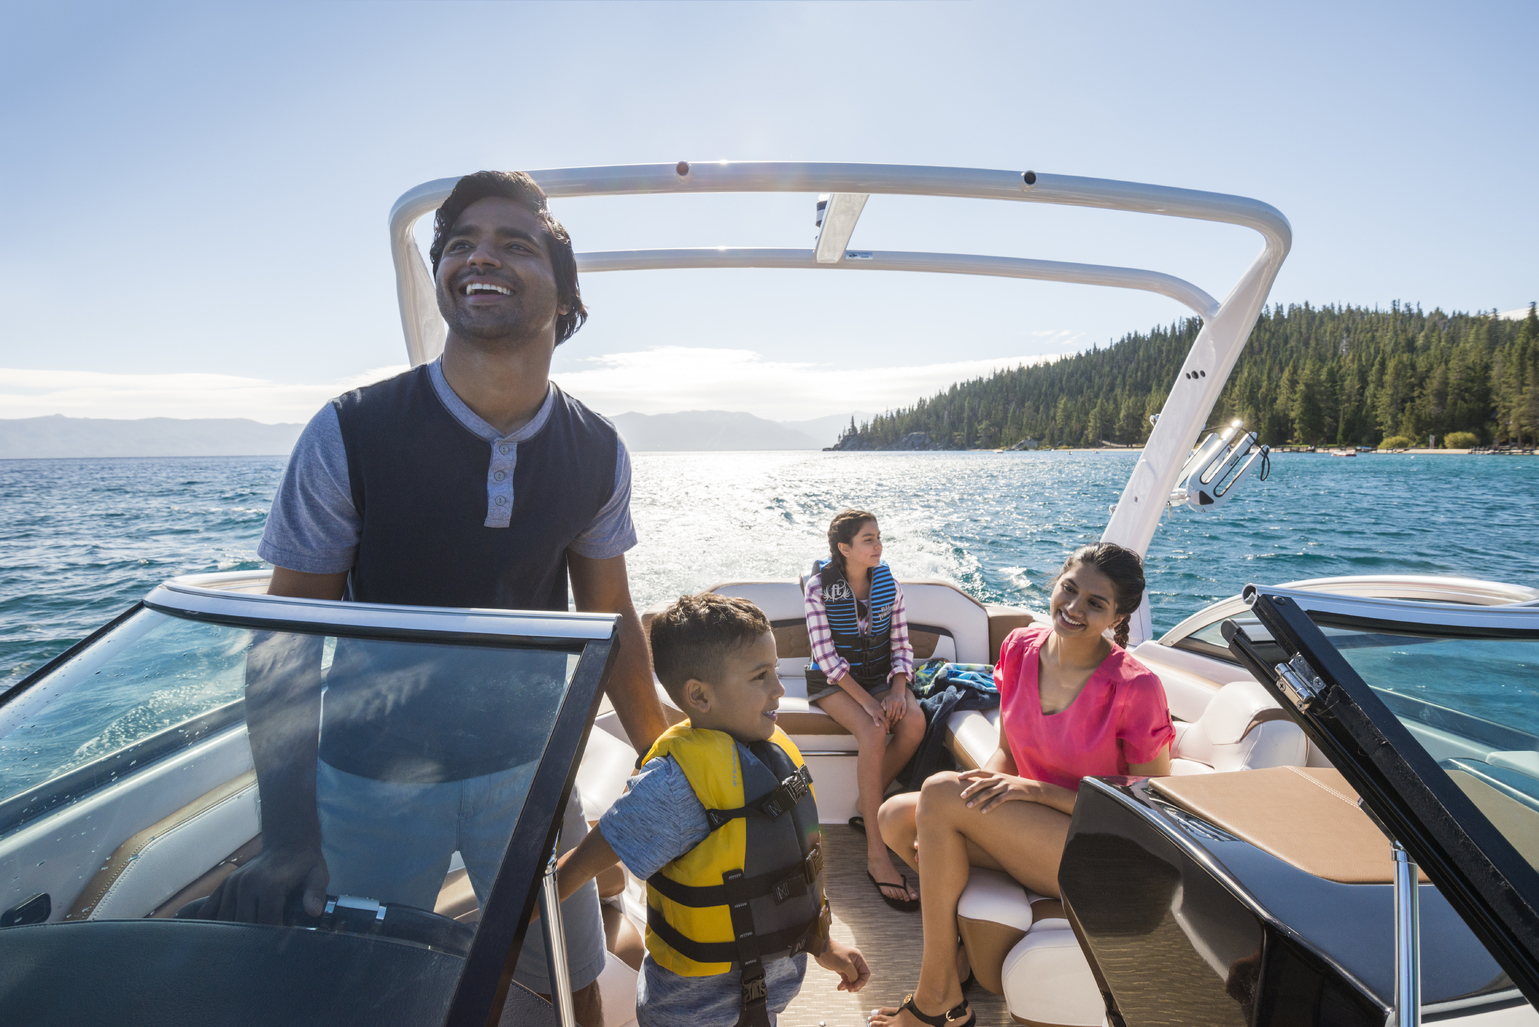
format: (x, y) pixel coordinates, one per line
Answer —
(788, 942)
(773, 804)
(780, 884)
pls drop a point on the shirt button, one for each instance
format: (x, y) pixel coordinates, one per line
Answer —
(500, 475)
(503, 450)
(502, 500)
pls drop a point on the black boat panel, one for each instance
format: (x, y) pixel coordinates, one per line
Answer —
(1189, 925)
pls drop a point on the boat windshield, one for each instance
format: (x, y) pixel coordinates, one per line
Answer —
(340, 798)
(1460, 696)
(1429, 710)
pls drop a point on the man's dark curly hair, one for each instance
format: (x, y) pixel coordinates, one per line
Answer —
(524, 191)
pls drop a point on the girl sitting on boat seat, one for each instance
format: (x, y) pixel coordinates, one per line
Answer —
(1072, 705)
(862, 664)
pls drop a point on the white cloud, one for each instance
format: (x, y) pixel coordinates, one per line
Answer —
(28, 393)
(661, 380)
(672, 378)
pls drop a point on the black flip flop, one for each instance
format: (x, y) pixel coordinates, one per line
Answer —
(858, 823)
(901, 905)
(946, 1019)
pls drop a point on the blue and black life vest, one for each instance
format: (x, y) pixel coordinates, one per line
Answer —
(869, 655)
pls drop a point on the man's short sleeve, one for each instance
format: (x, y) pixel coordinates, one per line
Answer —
(313, 526)
(657, 821)
(611, 533)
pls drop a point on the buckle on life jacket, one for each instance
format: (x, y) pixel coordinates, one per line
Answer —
(815, 938)
(796, 787)
(792, 790)
(812, 864)
(755, 1001)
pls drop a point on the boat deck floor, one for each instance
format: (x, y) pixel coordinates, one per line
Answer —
(891, 942)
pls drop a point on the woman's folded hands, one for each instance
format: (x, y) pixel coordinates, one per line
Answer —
(984, 790)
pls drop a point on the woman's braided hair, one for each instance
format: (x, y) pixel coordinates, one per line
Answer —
(846, 525)
(1124, 568)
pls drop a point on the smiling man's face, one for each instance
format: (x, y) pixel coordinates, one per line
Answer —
(495, 279)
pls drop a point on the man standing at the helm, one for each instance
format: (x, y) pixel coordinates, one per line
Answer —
(467, 482)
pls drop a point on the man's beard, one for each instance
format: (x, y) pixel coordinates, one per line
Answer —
(485, 324)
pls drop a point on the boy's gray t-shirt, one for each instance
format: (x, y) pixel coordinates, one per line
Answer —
(658, 820)
(314, 527)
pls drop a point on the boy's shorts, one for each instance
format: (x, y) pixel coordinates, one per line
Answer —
(664, 999)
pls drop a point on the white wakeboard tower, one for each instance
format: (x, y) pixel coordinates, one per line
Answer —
(1167, 473)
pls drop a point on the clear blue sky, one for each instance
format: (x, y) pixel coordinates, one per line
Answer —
(201, 190)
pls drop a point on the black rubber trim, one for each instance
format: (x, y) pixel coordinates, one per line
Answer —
(1412, 629)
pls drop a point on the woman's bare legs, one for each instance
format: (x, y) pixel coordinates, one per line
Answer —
(875, 767)
(1024, 839)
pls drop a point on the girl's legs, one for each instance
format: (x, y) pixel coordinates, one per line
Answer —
(1024, 839)
(875, 767)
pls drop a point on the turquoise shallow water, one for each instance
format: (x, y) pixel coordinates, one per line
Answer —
(80, 540)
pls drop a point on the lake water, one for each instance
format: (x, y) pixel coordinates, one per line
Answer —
(81, 540)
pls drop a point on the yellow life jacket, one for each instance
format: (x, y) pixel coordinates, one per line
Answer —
(753, 889)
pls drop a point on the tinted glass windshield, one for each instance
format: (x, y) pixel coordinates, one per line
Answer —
(1473, 704)
(361, 788)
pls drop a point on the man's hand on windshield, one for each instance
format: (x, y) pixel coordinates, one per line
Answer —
(257, 892)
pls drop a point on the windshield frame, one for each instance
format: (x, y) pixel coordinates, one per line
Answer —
(1483, 876)
(483, 982)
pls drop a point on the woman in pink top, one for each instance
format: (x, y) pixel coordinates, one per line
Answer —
(1072, 705)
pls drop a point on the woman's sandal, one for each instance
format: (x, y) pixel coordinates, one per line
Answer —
(950, 1018)
(901, 905)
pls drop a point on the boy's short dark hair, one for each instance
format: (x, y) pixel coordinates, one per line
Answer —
(692, 637)
(524, 191)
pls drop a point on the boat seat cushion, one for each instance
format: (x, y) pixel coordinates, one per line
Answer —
(972, 736)
(164, 858)
(607, 763)
(1046, 980)
(1242, 728)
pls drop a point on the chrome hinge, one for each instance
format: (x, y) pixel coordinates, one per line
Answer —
(1300, 681)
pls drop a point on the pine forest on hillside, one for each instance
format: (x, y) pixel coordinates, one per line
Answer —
(1316, 375)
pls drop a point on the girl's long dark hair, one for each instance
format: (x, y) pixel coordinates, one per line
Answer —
(845, 526)
(1125, 569)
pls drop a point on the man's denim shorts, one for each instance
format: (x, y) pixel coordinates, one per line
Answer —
(393, 841)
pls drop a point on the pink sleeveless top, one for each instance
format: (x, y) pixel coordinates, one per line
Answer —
(1119, 718)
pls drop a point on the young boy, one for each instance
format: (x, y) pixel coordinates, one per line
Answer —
(721, 823)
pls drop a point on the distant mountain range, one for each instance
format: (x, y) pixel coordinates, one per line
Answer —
(59, 436)
(64, 437)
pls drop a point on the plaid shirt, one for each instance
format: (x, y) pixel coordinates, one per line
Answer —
(822, 637)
